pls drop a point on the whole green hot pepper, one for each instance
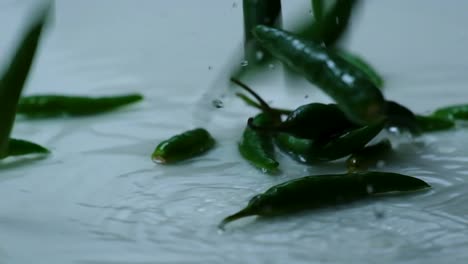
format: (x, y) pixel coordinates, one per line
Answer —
(325, 190)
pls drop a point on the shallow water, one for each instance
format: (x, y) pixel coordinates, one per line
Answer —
(99, 199)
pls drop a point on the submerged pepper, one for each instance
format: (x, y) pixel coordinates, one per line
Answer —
(368, 156)
(313, 192)
(57, 105)
(257, 146)
(19, 147)
(452, 112)
(355, 94)
(183, 146)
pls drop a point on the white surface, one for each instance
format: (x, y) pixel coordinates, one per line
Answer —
(100, 199)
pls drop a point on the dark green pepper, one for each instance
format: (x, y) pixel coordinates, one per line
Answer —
(56, 105)
(401, 117)
(452, 112)
(310, 152)
(325, 190)
(368, 156)
(355, 94)
(434, 123)
(18, 147)
(259, 12)
(13, 79)
(365, 67)
(257, 147)
(316, 121)
(183, 146)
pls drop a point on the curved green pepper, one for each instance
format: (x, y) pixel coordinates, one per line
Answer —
(56, 105)
(452, 112)
(183, 146)
(354, 93)
(434, 123)
(19, 147)
(364, 66)
(316, 121)
(310, 152)
(364, 158)
(257, 147)
(313, 192)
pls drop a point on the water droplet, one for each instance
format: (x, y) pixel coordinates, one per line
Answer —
(217, 103)
(370, 189)
(234, 5)
(337, 20)
(394, 130)
(245, 63)
(380, 164)
(271, 66)
(259, 55)
(310, 11)
(306, 96)
(210, 68)
(379, 212)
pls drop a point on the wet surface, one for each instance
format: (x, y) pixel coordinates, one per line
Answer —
(99, 199)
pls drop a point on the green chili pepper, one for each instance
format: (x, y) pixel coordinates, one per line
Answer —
(329, 27)
(349, 142)
(183, 146)
(364, 66)
(434, 123)
(310, 152)
(316, 121)
(257, 147)
(313, 192)
(368, 156)
(356, 96)
(18, 147)
(56, 105)
(259, 12)
(401, 117)
(453, 112)
(15, 75)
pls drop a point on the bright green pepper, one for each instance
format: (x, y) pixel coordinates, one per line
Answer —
(257, 147)
(18, 147)
(313, 192)
(354, 93)
(368, 156)
(57, 105)
(452, 112)
(434, 123)
(184, 146)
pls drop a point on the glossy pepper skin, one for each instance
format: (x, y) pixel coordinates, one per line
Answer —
(313, 192)
(311, 152)
(354, 93)
(257, 147)
(184, 146)
(403, 118)
(19, 147)
(364, 66)
(58, 105)
(316, 121)
(368, 156)
(452, 112)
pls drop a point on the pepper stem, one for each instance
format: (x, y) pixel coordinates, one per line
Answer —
(241, 214)
(264, 105)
